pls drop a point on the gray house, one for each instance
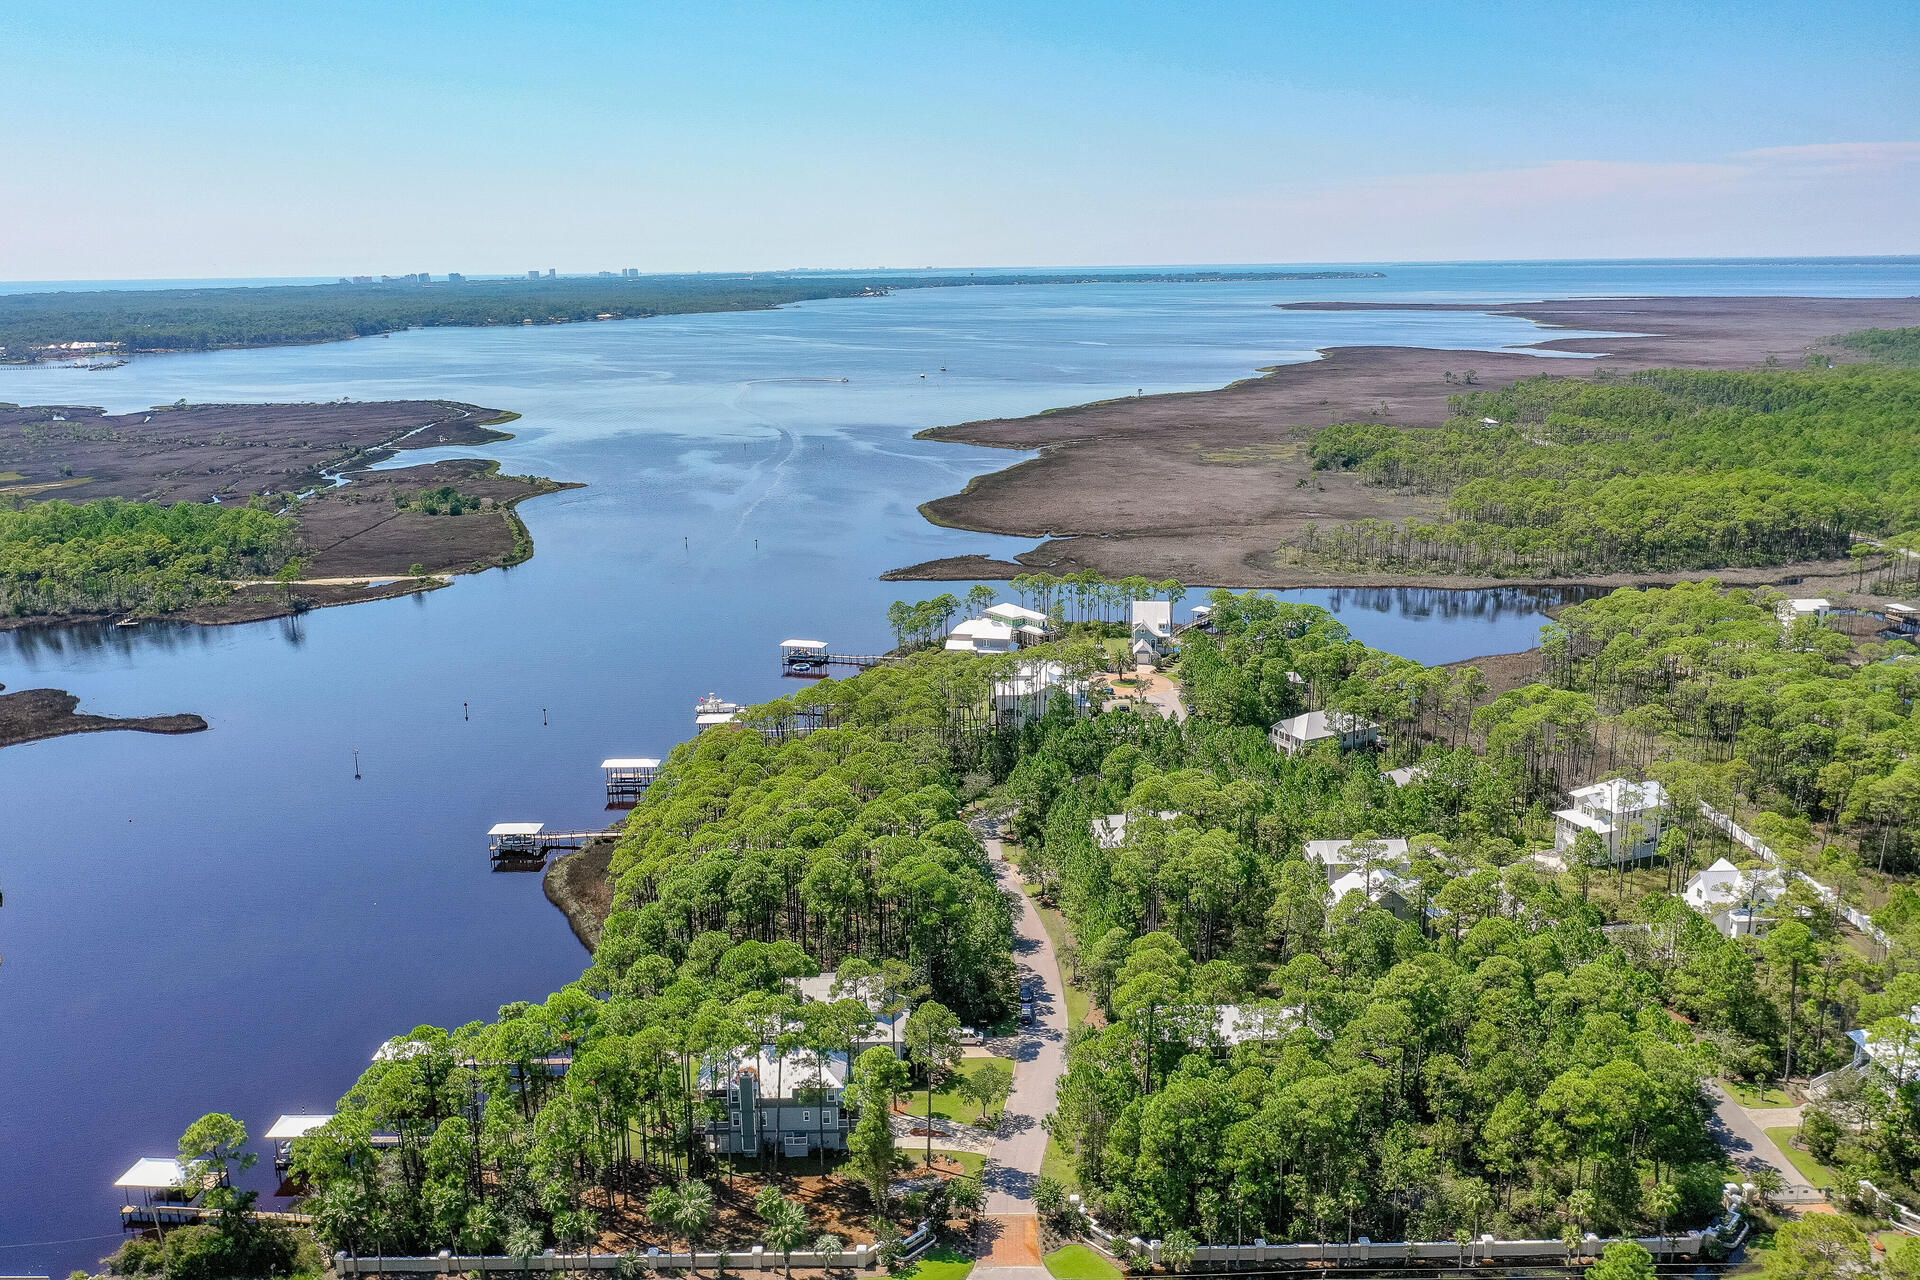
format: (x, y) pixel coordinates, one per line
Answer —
(769, 1101)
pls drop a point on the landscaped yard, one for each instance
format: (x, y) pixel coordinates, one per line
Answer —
(940, 1264)
(1058, 1165)
(1750, 1093)
(1078, 1262)
(970, 1162)
(947, 1102)
(1810, 1169)
(1061, 935)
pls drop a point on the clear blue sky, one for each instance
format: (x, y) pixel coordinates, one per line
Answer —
(186, 139)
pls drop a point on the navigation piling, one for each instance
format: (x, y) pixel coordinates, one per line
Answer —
(356, 764)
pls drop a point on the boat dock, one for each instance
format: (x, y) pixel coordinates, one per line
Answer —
(627, 778)
(178, 1215)
(531, 841)
(811, 657)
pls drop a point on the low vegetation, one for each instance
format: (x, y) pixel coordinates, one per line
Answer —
(1664, 470)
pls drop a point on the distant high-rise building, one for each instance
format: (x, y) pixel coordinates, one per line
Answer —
(551, 273)
(533, 275)
(454, 277)
(633, 273)
(344, 280)
(424, 278)
(363, 279)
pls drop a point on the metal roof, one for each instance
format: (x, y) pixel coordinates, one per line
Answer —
(297, 1126)
(515, 828)
(803, 644)
(153, 1173)
(637, 762)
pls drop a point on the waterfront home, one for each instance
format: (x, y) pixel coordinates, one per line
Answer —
(1152, 631)
(1297, 733)
(1733, 898)
(769, 1101)
(1110, 832)
(1627, 816)
(1018, 616)
(1337, 857)
(1033, 688)
(1791, 611)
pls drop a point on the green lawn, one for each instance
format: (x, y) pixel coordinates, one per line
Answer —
(970, 1162)
(1061, 934)
(1079, 1262)
(1751, 1094)
(949, 1105)
(940, 1264)
(1058, 1165)
(1810, 1169)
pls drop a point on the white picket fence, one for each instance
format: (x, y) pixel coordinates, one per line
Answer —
(864, 1257)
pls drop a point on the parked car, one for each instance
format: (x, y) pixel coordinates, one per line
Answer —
(971, 1035)
(1026, 1012)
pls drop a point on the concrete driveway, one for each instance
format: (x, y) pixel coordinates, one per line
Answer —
(1746, 1142)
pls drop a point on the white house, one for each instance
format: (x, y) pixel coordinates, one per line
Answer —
(1408, 776)
(1015, 615)
(982, 635)
(1735, 898)
(1336, 857)
(1625, 815)
(1892, 1044)
(1266, 1021)
(1033, 687)
(1110, 832)
(1791, 611)
(1384, 887)
(1300, 732)
(827, 988)
(1152, 631)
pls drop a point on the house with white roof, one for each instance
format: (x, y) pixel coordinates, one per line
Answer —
(1152, 631)
(1004, 628)
(1033, 687)
(1297, 733)
(1384, 887)
(1337, 857)
(827, 987)
(1791, 611)
(1015, 615)
(1734, 898)
(1408, 776)
(1110, 832)
(1891, 1044)
(1627, 816)
(1258, 1023)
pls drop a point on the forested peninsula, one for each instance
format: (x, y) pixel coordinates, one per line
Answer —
(231, 513)
(51, 326)
(1313, 992)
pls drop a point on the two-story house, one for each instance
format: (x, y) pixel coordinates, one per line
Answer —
(768, 1101)
(1627, 816)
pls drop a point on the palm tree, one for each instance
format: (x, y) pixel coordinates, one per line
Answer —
(686, 1210)
(786, 1221)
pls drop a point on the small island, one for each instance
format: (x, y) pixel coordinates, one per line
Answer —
(237, 512)
(32, 714)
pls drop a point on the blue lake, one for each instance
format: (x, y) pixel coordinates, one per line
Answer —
(232, 921)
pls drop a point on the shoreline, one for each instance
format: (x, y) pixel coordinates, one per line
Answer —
(1214, 486)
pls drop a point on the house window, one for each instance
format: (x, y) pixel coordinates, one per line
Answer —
(806, 1117)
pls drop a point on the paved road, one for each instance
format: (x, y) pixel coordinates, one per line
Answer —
(1750, 1147)
(1039, 1058)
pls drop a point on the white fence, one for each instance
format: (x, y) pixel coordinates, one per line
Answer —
(1902, 1217)
(863, 1257)
(1485, 1249)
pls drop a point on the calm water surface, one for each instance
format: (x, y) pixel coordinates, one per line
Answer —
(234, 921)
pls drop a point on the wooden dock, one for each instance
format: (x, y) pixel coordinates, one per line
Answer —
(176, 1215)
(531, 841)
(628, 778)
(812, 658)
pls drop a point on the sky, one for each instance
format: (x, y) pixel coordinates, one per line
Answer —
(187, 140)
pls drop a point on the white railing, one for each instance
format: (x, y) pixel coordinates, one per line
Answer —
(864, 1257)
(1903, 1218)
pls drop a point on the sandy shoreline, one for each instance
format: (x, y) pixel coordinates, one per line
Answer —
(1207, 486)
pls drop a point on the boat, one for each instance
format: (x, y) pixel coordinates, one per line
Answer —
(714, 705)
